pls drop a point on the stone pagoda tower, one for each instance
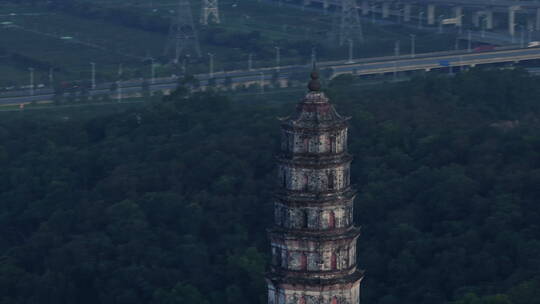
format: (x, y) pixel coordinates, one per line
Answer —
(313, 239)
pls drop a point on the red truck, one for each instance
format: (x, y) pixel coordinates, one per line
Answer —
(484, 48)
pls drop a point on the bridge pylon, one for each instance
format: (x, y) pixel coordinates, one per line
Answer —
(350, 26)
(210, 12)
(183, 41)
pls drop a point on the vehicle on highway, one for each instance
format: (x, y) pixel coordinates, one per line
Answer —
(484, 48)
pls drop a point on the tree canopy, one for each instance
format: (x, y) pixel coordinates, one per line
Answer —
(169, 202)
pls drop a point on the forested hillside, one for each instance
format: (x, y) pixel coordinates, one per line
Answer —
(168, 203)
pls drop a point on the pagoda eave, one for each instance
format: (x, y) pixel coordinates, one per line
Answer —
(315, 198)
(313, 204)
(315, 284)
(314, 240)
(287, 234)
(311, 157)
(316, 163)
(312, 128)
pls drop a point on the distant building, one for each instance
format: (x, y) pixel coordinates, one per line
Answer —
(313, 240)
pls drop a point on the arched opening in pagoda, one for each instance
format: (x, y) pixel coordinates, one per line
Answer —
(303, 261)
(305, 218)
(331, 220)
(333, 146)
(333, 261)
(331, 180)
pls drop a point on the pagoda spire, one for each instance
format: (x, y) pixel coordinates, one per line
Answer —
(313, 239)
(314, 84)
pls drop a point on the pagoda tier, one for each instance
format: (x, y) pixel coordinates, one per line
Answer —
(313, 215)
(314, 255)
(313, 240)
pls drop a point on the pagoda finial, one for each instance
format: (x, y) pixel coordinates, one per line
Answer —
(314, 84)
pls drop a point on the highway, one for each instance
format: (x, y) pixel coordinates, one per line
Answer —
(465, 3)
(445, 61)
(361, 67)
(479, 3)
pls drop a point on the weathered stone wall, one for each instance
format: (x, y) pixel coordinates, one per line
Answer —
(334, 141)
(344, 295)
(314, 218)
(314, 180)
(313, 241)
(314, 256)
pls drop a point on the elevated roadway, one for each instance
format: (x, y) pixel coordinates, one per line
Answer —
(361, 67)
(464, 3)
(476, 3)
(447, 61)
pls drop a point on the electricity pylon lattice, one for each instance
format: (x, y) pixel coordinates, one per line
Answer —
(350, 27)
(210, 11)
(183, 39)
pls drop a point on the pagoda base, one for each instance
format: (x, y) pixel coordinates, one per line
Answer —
(346, 290)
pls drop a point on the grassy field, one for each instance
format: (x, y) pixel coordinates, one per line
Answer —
(39, 35)
(42, 37)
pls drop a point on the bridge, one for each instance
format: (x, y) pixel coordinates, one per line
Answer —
(451, 61)
(520, 13)
(465, 3)
(480, 3)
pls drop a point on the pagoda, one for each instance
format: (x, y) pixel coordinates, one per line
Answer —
(313, 239)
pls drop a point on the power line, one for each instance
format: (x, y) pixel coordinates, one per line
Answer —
(350, 27)
(210, 12)
(183, 37)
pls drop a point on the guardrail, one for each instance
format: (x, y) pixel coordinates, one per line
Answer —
(437, 65)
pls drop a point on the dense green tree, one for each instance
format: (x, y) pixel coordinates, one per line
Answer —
(168, 202)
(181, 293)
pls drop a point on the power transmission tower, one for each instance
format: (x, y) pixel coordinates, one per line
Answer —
(183, 40)
(210, 11)
(350, 26)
